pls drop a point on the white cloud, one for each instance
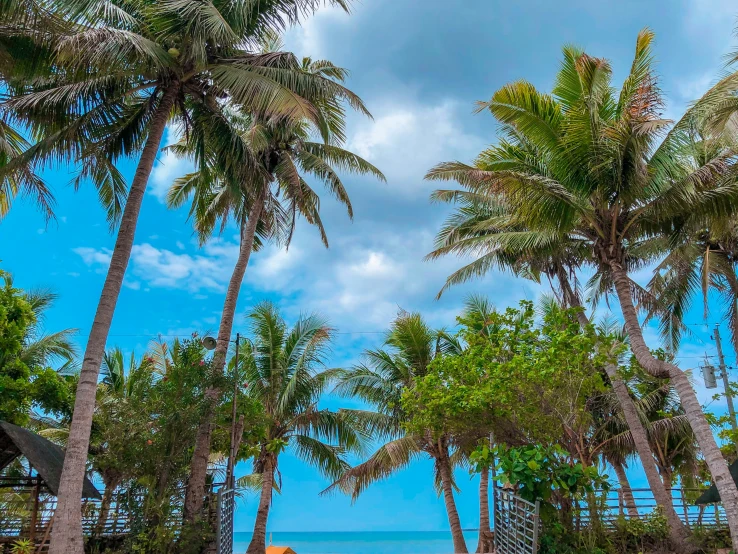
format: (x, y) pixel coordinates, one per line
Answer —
(209, 270)
(166, 269)
(133, 285)
(168, 167)
(405, 140)
(93, 257)
(692, 88)
(308, 38)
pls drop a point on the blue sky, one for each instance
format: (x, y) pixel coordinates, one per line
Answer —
(420, 66)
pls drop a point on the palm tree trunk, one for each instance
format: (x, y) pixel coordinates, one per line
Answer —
(102, 519)
(628, 500)
(677, 531)
(444, 469)
(713, 457)
(258, 539)
(66, 536)
(484, 527)
(195, 494)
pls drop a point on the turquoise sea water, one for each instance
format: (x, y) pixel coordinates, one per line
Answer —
(376, 542)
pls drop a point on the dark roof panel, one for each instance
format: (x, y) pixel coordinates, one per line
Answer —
(46, 457)
(711, 495)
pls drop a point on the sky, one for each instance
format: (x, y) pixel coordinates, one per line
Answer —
(419, 66)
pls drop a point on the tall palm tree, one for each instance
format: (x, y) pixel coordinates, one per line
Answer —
(254, 169)
(485, 227)
(118, 78)
(28, 32)
(283, 370)
(409, 348)
(587, 164)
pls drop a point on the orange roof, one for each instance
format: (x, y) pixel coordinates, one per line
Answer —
(279, 550)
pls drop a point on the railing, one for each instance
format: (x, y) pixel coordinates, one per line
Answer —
(27, 511)
(613, 505)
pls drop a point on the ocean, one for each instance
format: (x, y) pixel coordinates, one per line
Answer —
(375, 542)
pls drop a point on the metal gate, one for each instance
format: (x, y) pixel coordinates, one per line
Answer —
(224, 526)
(516, 523)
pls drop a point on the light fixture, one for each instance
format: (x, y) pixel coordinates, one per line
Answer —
(209, 343)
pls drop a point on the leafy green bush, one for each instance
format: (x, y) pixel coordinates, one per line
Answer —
(711, 539)
(650, 532)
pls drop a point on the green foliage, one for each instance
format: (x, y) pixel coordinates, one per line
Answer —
(26, 378)
(22, 546)
(511, 374)
(482, 458)
(284, 369)
(710, 539)
(537, 472)
(641, 534)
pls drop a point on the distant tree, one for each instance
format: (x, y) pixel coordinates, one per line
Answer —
(409, 350)
(284, 370)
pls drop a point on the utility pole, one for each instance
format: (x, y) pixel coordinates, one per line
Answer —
(231, 469)
(726, 382)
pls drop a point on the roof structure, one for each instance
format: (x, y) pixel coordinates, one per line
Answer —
(46, 457)
(711, 495)
(279, 550)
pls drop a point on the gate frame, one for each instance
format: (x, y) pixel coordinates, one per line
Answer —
(525, 519)
(224, 521)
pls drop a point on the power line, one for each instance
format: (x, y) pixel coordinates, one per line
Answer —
(189, 335)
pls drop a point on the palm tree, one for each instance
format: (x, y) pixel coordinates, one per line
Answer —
(254, 169)
(410, 346)
(45, 349)
(283, 373)
(485, 227)
(28, 31)
(119, 77)
(586, 164)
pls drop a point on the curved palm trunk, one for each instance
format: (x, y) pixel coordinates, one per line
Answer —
(677, 531)
(444, 469)
(110, 483)
(484, 527)
(628, 500)
(713, 457)
(258, 539)
(195, 493)
(66, 536)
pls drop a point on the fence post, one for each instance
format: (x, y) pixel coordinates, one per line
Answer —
(34, 512)
(219, 517)
(534, 550)
(621, 511)
(685, 507)
(494, 515)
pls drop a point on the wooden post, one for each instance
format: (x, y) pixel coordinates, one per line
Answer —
(46, 534)
(621, 511)
(685, 507)
(717, 516)
(34, 512)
